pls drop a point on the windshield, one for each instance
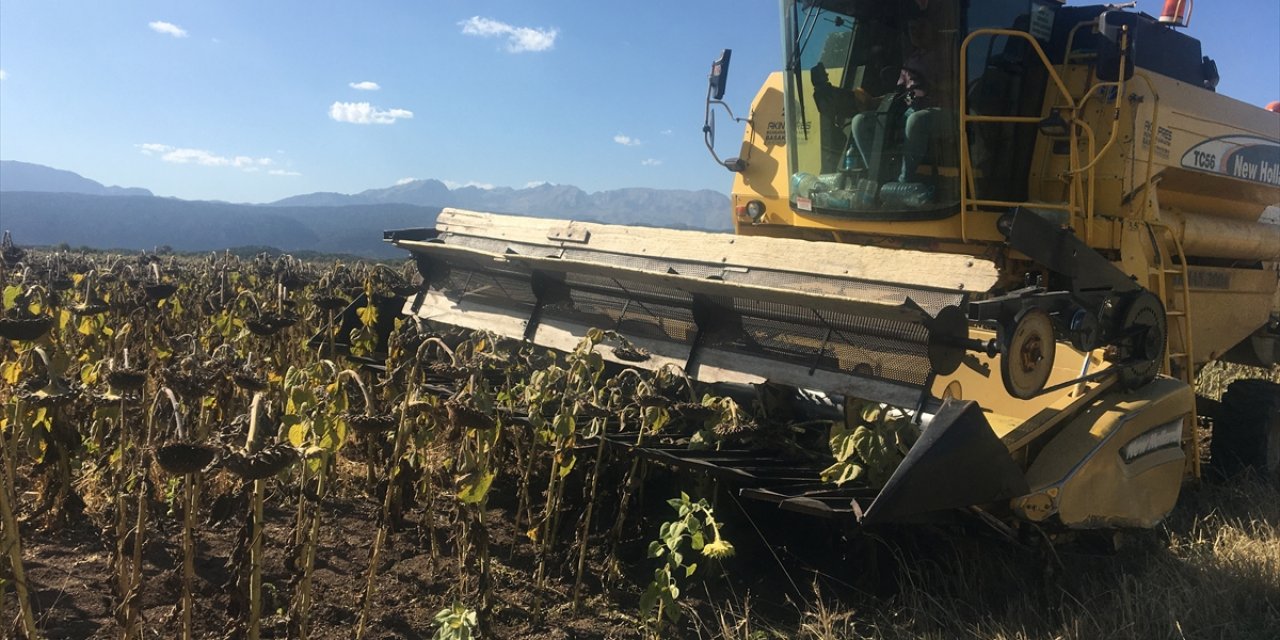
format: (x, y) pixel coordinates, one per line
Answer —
(871, 104)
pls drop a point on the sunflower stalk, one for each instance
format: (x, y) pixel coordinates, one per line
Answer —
(586, 518)
(133, 596)
(188, 553)
(309, 543)
(12, 540)
(389, 498)
(190, 501)
(123, 450)
(370, 475)
(251, 445)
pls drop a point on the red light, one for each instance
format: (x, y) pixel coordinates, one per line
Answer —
(1176, 13)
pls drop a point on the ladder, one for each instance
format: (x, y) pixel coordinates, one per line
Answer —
(1177, 305)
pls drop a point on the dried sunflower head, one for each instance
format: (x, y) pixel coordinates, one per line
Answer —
(25, 329)
(159, 291)
(248, 381)
(362, 423)
(190, 380)
(260, 326)
(281, 320)
(91, 308)
(444, 371)
(126, 379)
(653, 401)
(330, 303)
(181, 458)
(263, 464)
(692, 411)
(54, 394)
(630, 353)
(468, 417)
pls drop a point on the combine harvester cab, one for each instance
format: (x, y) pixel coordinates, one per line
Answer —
(1016, 418)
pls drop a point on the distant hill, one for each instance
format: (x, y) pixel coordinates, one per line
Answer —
(46, 206)
(24, 176)
(137, 222)
(653, 207)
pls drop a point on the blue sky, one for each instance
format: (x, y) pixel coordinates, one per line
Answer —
(251, 101)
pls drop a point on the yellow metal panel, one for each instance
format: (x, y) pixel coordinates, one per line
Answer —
(1228, 305)
(979, 379)
(1113, 465)
(764, 148)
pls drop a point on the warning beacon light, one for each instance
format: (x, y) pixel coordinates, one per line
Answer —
(1177, 13)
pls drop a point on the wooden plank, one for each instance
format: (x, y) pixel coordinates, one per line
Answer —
(848, 297)
(900, 266)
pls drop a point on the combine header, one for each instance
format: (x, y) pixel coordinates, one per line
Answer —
(1019, 274)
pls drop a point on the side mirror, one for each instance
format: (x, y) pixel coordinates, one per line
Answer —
(715, 95)
(1117, 29)
(720, 74)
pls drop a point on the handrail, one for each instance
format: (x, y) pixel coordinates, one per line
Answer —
(1011, 33)
(1006, 119)
(968, 185)
(1071, 37)
(1115, 119)
(1089, 184)
(1076, 173)
(1011, 203)
(1154, 135)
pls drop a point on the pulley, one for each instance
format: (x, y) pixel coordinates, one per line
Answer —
(1145, 332)
(1026, 353)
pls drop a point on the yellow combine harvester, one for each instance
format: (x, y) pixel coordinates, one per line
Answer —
(1026, 225)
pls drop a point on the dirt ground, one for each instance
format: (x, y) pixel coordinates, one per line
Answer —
(1212, 571)
(71, 579)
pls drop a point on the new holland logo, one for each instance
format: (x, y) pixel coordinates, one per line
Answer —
(1165, 436)
(1244, 157)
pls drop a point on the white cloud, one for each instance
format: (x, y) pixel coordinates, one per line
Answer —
(167, 28)
(404, 181)
(519, 39)
(365, 113)
(178, 155)
(282, 172)
(367, 85)
(460, 185)
(667, 132)
(650, 162)
(3, 74)
(538, 183)
(626, 141)
(245, 162)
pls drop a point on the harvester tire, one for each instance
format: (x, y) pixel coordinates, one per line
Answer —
(1247, 434)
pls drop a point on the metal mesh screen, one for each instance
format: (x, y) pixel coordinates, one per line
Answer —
(929, 299)
(836, 341)
(803, 335)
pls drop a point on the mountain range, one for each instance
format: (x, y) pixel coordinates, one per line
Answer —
(24, 176)
(46, 206)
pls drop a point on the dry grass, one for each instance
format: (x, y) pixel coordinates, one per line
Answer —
(1211, 571)
(1215, 377)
